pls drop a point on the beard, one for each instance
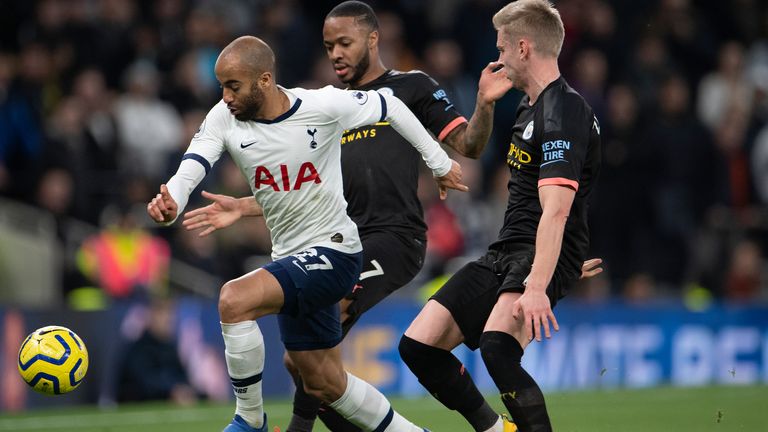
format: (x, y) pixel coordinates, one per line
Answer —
(251, 104)
(360, 69)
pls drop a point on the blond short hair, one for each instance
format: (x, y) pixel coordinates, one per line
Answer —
(535, 19)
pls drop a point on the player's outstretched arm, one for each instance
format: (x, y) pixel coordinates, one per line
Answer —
(221, 213)
(163, 208)
(470, 139)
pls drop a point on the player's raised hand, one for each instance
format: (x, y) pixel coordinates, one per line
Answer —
(591, 268)
(163, 207)
(452, 180)
(221, 213)
(493, 83)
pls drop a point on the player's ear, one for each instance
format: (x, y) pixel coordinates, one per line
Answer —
(524, 47)
(265, 79)
(373, 39)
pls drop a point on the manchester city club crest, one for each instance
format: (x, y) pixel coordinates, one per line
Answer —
(528, 132)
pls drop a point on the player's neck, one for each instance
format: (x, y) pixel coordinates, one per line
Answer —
(540, 77)
(276, 104)
(375, 70)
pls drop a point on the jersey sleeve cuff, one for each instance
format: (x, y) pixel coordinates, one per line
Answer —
(559, 181)
(450, 127)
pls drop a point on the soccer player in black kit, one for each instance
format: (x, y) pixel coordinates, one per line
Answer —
(503, 300)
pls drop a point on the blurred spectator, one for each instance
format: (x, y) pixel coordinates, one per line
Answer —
(20, 131)
(445, 238)
(167, 18)
(322, 75)
(444, 61)
(149, 128)
(150, 366)
(746, 274)
(640, 288)
(125, 260)
(287, 31)
(599, 32)
(688, 38)
(91, 91)
(646, 70)
(393, 48)
(687, 178)
(113, 40)
(590, 75)
(622, 192)
(55, 192)
(725, 89)
(191, 88)
(730, 138)
(70, 146)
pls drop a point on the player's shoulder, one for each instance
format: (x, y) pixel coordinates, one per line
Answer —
(219, 115)
(319, 92)
(561, 101)
(415, 77)
(324, 95)
(569, 97)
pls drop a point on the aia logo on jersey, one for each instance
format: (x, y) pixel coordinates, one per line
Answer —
(264, 177)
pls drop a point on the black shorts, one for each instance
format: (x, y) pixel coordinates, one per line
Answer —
(471, 293)
(390, 260)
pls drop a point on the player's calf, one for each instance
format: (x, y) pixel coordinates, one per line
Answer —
(443, 375)
(244, 355)
(367, 408)
(521, 395)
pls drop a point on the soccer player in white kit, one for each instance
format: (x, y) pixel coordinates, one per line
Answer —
(287, 143)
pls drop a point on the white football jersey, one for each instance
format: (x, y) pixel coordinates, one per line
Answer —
(293, 163)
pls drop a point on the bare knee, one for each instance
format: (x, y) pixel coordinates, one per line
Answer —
(230, 304)
(436, 327)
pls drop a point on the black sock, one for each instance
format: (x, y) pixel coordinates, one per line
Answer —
(519, 392)
(305, 409)
(443, 375)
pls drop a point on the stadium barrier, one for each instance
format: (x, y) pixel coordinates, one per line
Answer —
(607, 345)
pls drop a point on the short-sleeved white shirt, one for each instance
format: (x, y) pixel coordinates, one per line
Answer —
(292, 163)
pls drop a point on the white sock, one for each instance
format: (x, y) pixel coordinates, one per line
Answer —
(497, 427)
(368, 409)
(245, 362)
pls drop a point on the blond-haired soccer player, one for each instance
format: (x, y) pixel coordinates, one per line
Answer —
(503, 300)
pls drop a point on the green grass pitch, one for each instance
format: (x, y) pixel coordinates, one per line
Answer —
(705, 409)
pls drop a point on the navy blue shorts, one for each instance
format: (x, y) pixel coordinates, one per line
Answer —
(313, 282)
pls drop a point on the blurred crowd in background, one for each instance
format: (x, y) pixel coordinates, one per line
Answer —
(99, 99)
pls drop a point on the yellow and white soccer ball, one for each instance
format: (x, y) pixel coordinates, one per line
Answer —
(53, 360)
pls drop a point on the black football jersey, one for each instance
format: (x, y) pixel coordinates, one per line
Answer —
(381, 169)
(555, 141)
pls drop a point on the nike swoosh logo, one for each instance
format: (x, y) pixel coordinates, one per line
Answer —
(299, 266)
(247, 144)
